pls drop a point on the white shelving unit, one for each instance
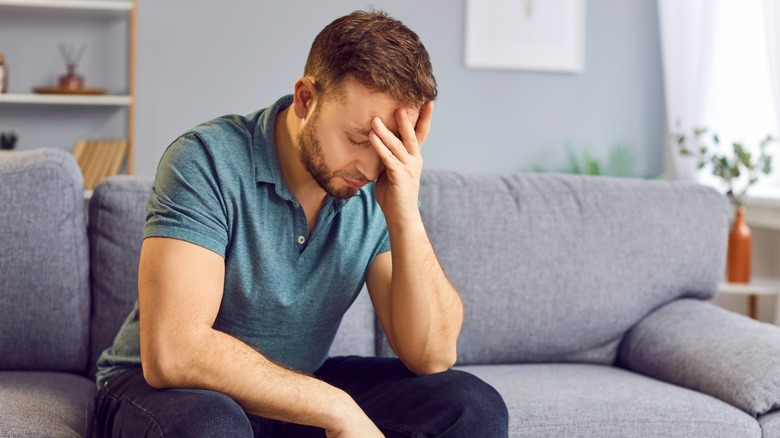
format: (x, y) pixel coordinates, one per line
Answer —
(86, 5)
(66, 99)
(121, 7)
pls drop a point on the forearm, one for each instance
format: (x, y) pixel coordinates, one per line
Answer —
(426, 312)
(216, 361)
(419, 308)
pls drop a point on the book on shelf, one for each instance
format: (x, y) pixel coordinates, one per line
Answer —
(99, 158)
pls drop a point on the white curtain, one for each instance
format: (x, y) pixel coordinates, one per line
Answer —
(686, 48)
(772, 14)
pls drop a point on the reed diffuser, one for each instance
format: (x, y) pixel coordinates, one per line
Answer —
(71, 56)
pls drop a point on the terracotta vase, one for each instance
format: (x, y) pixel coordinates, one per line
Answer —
(740, 238)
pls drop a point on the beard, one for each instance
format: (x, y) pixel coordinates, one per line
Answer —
(310, 155)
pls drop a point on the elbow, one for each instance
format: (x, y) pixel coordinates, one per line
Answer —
(157, 375)
(433, 365)
(159, 372)
(154, 376)
(165, 364)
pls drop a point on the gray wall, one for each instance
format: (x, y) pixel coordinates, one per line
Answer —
(235, 56)
(198, 60)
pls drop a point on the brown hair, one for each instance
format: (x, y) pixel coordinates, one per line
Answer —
(378, 51)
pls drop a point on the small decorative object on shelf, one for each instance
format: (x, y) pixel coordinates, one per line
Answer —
(739, 169)
(71, 80)
(3, 74)
(7, 141)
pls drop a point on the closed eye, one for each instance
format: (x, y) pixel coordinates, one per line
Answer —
(358, 143)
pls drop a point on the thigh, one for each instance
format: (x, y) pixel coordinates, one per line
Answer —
(448, 404)
(128, 407)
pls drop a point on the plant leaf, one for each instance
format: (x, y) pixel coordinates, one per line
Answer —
(621, 161)
(591, 165)
(574, 166)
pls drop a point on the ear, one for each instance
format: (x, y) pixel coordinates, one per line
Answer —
(304, 97)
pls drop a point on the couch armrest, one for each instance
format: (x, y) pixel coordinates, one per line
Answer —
(700, 346)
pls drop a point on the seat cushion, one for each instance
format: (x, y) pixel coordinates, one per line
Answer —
(45, 404)
(552, 400)
(44, 264)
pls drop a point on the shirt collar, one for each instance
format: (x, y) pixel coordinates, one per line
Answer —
(267, 160)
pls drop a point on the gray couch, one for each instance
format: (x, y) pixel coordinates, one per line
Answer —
(586, 301)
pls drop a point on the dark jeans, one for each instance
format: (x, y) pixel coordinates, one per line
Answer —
(448, 404)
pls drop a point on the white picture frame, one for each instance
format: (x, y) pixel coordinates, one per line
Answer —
(534, 35)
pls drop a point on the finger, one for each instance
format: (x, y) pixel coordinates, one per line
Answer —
(391, 142)
(424, 122)
(406, 129)
(386, 155)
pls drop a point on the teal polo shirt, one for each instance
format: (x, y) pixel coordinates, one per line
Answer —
(219, 186)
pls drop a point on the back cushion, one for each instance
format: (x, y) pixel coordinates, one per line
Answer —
(44, 267)
(116, 221)
(356, 332)
(559, 267)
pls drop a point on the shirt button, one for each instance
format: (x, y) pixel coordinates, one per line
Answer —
(296, 205)
(301, 240)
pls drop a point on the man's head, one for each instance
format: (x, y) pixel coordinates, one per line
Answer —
(379, 52)
(362, 65)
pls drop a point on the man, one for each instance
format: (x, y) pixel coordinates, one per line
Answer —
(261, 231)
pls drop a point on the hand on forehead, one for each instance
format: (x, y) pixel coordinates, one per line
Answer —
(360, 105)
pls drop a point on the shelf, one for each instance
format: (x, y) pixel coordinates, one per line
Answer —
(66, 99)
(83, 5)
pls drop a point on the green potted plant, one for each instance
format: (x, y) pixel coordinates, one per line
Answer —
(739, 169)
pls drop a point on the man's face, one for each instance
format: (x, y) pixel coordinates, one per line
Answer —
(333, 143)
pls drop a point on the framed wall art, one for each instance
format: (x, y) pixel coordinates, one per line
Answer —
(536, 35)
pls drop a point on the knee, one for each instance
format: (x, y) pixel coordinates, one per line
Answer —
(208, 414)
(480, 409)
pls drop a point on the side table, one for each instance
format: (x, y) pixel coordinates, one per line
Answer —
(757, 287)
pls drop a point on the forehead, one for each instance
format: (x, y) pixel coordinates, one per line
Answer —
(357, 105)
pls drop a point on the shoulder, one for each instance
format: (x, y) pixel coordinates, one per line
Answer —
(229, 137)
(221, 147)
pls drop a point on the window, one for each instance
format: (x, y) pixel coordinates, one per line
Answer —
(738, 102)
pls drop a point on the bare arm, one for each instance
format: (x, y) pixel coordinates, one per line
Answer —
(180, 287)
(419, 309)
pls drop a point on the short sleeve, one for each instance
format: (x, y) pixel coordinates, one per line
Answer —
(186, 202)
(384, 245)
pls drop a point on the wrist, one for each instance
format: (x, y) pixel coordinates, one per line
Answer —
(342, 412)
(408, 219)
